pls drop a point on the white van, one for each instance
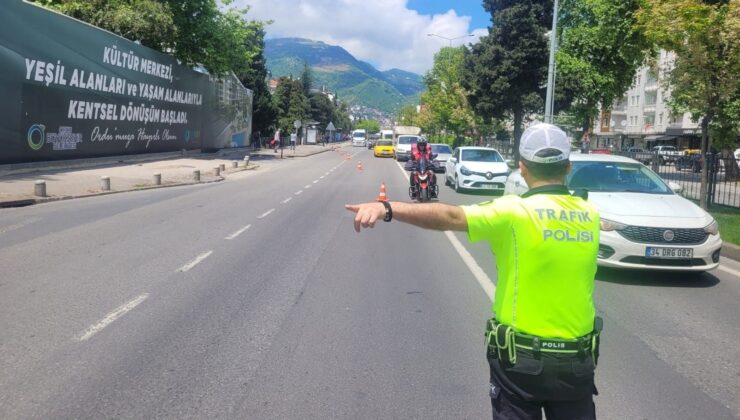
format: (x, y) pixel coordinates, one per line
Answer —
(359, 137)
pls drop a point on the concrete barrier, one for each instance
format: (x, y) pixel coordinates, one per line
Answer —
(157, 179)
(105, 183)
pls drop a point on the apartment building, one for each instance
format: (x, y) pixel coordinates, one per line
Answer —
(642, 117)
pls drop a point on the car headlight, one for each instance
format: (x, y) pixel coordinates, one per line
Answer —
(610, 225)
(465, 171)
(712, 228)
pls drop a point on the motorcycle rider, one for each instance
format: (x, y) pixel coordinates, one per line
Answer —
(420, 150)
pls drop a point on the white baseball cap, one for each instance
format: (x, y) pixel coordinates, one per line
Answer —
(541, 137)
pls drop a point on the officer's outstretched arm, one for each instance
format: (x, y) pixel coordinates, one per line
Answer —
(436, 216)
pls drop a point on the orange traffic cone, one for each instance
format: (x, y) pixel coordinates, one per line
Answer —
(382, 196)
(359, 165)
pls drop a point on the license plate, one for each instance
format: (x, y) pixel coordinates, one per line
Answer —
(385, 152)
(659, 252)
(489, 186)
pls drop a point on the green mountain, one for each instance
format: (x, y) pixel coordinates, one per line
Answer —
(355, 81)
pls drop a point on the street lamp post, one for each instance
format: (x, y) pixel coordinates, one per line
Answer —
(449, 57)
(551, 66)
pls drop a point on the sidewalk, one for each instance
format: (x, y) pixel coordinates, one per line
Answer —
(82, 177)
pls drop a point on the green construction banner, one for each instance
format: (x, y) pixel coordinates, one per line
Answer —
(71, 90)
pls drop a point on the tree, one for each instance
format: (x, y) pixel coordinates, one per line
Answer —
(322, 109)
(504, 74)
(703, 78)
(407, 115)
(306, 79)
(150, 22)
(445, 101)
(371, 126)
(291, 103)
(601, 48)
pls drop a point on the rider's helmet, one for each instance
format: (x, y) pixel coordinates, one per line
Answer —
(422, 145)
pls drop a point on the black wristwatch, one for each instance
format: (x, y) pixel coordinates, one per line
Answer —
(388, 211)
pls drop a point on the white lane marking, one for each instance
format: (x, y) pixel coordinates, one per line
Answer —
(286, 200)
(117, 313)
(265, 214)
(403, 171)
(299, 192)
(316, 181)
(238, 232)
(729, 270)
(480, 275)
(323, 176)
(484, 281)
(308, 186)
(17, 226)
(195, 262)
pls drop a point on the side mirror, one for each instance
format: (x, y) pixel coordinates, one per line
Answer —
(676, 188)
(453, 160)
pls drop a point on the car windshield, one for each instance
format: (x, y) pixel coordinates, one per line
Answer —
(358, 135)
(481, 155)
(408, 140)
(615, 177)
(441, 148)
(385, 143)
(388, 136)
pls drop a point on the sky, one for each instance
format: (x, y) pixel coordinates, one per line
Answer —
(386, 33)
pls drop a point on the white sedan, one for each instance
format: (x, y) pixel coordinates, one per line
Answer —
(644, 223)
(476, 168)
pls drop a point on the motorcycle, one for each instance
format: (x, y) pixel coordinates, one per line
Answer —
(423, 185)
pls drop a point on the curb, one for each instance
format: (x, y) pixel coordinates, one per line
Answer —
(82, 163)
(730, 251)
(32, 201)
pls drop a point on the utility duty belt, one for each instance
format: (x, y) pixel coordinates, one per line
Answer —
(502, 342)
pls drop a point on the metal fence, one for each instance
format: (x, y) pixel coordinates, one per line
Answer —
(723, 187)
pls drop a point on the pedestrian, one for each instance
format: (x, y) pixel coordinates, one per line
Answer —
(293, 140)
(542, 341)
(276, 140)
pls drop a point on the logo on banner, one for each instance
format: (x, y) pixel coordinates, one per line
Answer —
(36, 136)
(65, 139)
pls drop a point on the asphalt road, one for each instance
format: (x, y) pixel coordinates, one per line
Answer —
(254, 298)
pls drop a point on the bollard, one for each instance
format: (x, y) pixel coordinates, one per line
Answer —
(39, 188)
(196, 175)
(157, 179)
(105, 183)
(223, 167)
(246, 161)
(234, 164)
(217, 171)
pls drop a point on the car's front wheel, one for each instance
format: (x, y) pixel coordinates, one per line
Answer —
(458, 188)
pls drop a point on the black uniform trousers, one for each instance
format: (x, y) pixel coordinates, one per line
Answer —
(560, 384)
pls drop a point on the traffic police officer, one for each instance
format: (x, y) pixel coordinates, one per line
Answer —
(542, 342)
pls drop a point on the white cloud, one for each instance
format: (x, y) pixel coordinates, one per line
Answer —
(383, 32)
